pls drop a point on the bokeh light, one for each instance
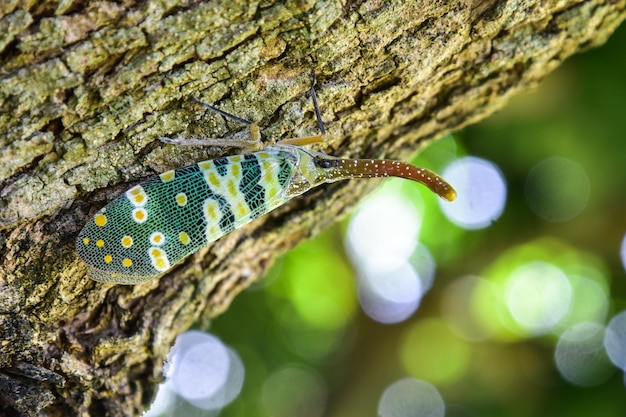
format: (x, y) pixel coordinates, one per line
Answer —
(313, 303)
(307, 340)
(590, 298)
(392, 296)
(383, 232)
(294, 390)
(622, 252)
(307, 288)
(615, 340)
(203, 371)
(538, 295)
(458, 305)
(393, 270)
(164, 402)
(430, 350)
(580, 356)
(557, 189)
(481, 192)
(411, 397)
(539, 288)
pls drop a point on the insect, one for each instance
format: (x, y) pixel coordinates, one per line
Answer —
(158, 223)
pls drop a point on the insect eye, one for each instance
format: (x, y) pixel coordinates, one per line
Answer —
(323, 163)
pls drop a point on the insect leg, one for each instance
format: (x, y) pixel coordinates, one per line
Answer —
(254, 143)
(307, 140)
(222, 112)
(318, 113)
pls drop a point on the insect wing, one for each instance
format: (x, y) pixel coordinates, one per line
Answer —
(156, 224)
(146, 230)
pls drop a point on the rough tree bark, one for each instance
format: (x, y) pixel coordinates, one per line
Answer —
(86, 88)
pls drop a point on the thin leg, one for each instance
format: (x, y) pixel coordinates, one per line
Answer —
(318, 113)
(222, 112)
(248, 145)
(255, 134)
(308, 140)
(253, 144)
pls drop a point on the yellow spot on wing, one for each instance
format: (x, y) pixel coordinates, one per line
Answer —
(235, 170)
(140, 215)
(108, 259)
(127, 263)
(204, 165)
(211, 178)
(241, 209)
(212, 215)
(157, 238)
(167, 176)
(86, 240)
(232, 188)
(100, 220)
(211, 209)
(271, 192)
(160, 264)
(269, 180)
(181, 199)
(127, 241)
(100, 243)
(212, 233)
(183, 237)
(159, 259)
(137, 196)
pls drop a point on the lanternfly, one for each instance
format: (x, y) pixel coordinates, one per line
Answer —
(161, 221)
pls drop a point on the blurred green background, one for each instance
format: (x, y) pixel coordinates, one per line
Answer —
(497, 333)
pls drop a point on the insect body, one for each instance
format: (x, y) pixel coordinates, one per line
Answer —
(159, 222)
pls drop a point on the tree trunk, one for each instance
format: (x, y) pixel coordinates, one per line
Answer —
(87, 88)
